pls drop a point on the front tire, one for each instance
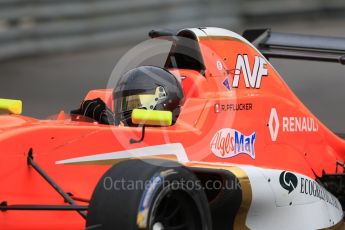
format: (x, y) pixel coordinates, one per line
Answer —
(150, 195)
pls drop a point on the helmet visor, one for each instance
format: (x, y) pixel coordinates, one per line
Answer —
(145, 101)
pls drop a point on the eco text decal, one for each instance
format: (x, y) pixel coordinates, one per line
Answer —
(304, 186)
(229, 142)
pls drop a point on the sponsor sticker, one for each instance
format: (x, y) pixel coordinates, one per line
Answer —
(288, 181)
(233, 107)
(305, 186)
(312, 188)
(229, 142)
(226, 84)
(293, 124)
(219, 65)
(252, 76)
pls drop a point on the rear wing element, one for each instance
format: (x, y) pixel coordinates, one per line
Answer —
(296, 46)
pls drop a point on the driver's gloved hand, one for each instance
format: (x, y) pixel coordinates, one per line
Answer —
(97, 110)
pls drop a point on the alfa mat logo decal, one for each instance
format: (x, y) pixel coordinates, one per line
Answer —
(229, 142)
(288, 181)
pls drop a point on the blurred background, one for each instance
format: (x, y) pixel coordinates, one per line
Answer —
(52, 52)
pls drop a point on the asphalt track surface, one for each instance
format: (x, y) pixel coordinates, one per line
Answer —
(48, 84)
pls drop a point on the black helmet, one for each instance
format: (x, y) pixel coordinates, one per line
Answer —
(146, 87)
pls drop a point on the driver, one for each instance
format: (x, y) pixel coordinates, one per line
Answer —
(145, 87)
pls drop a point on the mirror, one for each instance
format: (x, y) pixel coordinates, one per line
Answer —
(9, 106)
(151, 117)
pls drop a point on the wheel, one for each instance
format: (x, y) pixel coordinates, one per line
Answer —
(150, 194)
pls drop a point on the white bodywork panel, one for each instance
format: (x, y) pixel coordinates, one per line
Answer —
(307, 206)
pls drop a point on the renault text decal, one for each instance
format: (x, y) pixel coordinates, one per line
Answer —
(290, 124)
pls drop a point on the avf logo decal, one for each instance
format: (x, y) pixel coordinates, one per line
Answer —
(252, 76)
(288, 181)
(229, 142)
(292, 124)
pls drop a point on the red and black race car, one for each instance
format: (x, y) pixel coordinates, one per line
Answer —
(214, 140)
